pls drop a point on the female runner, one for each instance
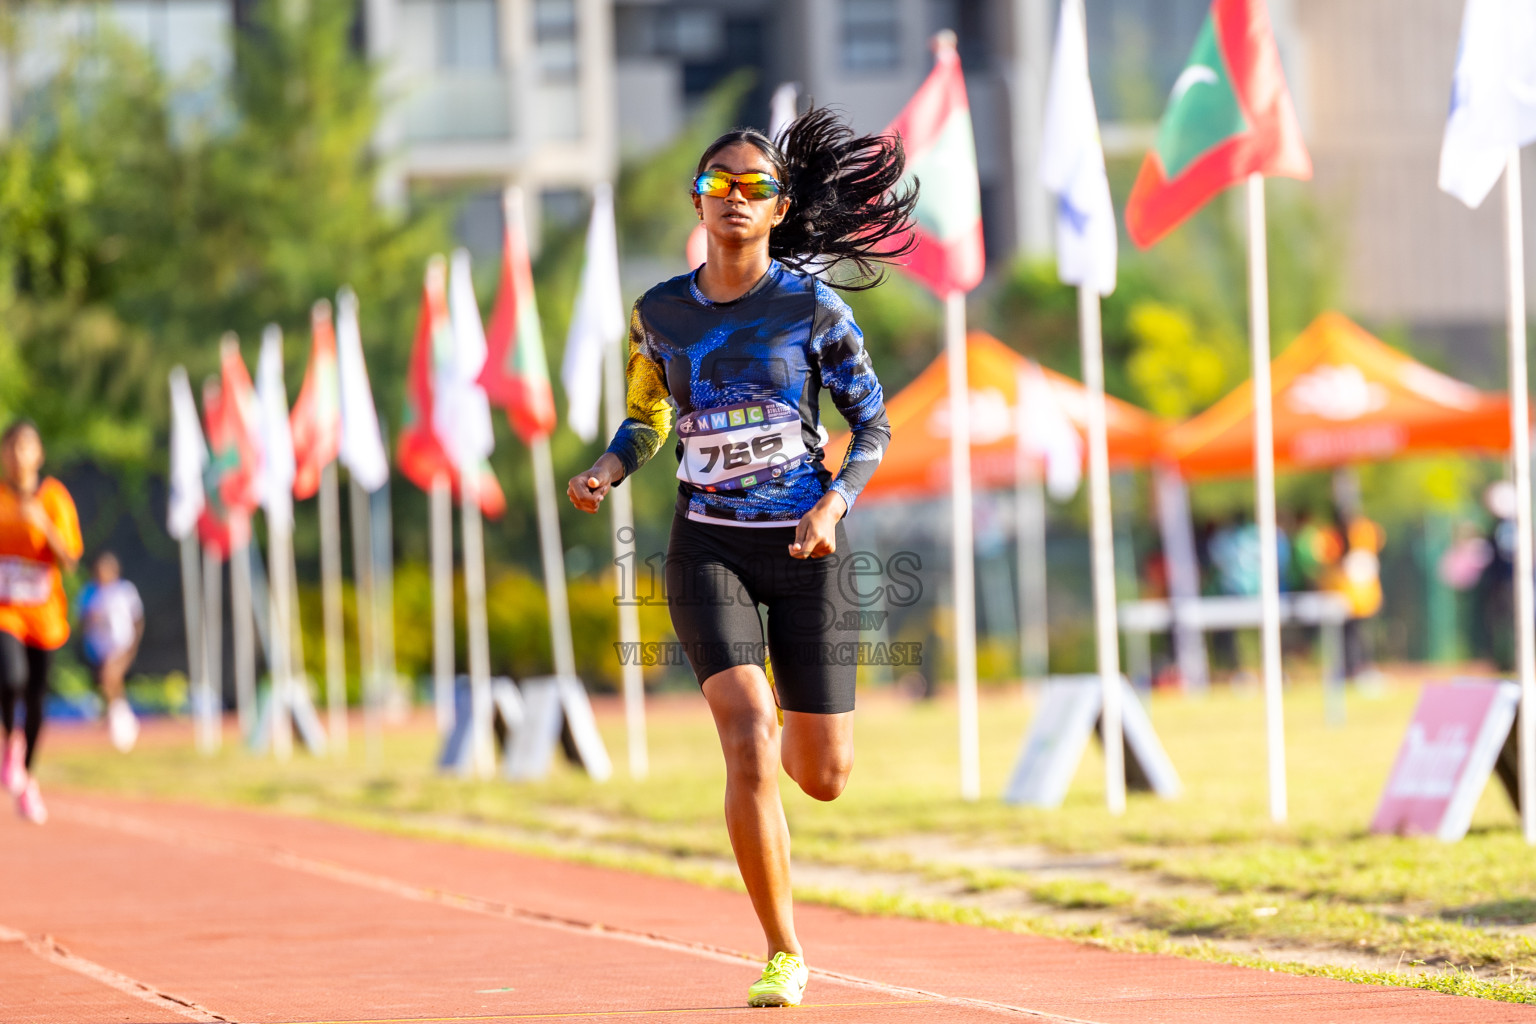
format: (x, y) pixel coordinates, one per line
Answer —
(39, 536)
(741, 348)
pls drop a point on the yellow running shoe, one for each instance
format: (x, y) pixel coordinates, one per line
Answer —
(782, 983)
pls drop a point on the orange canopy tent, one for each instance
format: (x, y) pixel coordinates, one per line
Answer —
(917, 464)
(1341, 396)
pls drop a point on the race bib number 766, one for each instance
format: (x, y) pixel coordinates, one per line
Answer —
(738, 447)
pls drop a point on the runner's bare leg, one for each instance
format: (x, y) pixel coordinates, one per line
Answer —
(818, 752)
(747, 720)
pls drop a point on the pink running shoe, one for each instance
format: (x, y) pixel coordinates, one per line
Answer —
(30, 804)
(13, 769)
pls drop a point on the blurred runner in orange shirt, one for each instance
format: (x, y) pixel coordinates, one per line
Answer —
(39, 537)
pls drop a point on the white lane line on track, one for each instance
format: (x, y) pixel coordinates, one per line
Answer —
(46, 947)
(489, 1018)
(281, 857)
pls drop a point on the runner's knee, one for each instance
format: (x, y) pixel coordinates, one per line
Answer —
(825, 778)
(750, 745)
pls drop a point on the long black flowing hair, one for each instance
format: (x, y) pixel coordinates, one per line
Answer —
(844, 211)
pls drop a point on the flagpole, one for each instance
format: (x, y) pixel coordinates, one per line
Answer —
(1090, 326)
(279, 593)
(243, 623)
(1520, 451)
(330, 595)
(622, 508)
(363, 603)
(210, 736)
(383, 535)
(554, 560)
(441, 505)
(1264, 496)
(191, 610)
(482, 739)
(298, 671)
(964, 547)
(1029, 505)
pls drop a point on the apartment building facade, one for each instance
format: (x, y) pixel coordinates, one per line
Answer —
(486, 92)
(548, 93)
(478, 93)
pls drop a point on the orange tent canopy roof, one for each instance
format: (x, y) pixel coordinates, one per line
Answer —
(1342, 395)
(917, 464)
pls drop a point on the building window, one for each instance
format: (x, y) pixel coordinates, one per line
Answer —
(478, 225)
(871, 39)
(696, 35)
(467, 39)
(554, 34)
(563, 209)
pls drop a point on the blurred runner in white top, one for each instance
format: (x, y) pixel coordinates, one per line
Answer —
(112, 624)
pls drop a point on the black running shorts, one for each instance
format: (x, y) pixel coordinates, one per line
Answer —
(716, 578)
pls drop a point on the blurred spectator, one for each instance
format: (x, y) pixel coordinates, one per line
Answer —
(1462, 565)
(112, 624)
(1154, 574)
(1235, 557)
(1316, 553)
(1357, 578)
(1494, 622)
(1234, 553)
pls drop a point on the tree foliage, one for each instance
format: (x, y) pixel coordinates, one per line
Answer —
(135, 229)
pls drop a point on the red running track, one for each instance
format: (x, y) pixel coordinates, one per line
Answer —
(123, 912)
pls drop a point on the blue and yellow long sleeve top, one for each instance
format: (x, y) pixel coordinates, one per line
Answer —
(744, 379)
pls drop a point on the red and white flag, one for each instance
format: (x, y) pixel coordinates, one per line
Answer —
(935, 128)
(231, 481)
(316, 420)
(419, 452)
(516, 373)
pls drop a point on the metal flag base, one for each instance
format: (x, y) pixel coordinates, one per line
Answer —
(301, 712)
(1070, 711)
(541, 714)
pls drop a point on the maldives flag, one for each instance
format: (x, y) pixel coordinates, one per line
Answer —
(230, 478)
(516, 375)
(1229, 115)
(935, 128)
(419, 452)
(316, 419)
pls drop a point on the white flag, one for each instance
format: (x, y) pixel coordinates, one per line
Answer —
(1072, 163)
(461, 414)
(1046, 433)
(598, 321)
(1493, 96)
(362, 443)
(274, 437)
(783, 108)
(189, 456)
